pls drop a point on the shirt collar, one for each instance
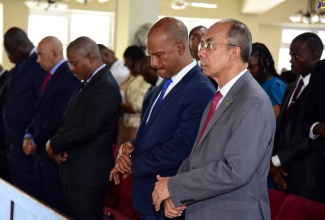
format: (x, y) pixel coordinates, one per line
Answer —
(183, 72)
(52, 71)
(225, 89)
(95, 72)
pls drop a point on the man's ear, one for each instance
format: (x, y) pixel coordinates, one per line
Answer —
(180, 48)
(234, 53)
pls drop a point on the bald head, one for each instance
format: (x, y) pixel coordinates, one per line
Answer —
(168, 37)
(84, 57)
(84, 45)
(174, 30)
(49, 52)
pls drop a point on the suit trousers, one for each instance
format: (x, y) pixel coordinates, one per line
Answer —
(86, 203)
(48, 181)
(21, 166)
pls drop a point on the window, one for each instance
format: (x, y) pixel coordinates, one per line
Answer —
(71, 24)
(287, 36)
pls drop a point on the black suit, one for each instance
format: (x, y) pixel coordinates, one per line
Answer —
(47, 117)
(296, 155)
(315, 112)
(4, 166)
(87, 134)
(22, 93)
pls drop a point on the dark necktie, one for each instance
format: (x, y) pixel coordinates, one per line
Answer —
(216, 98)
(286, 116)
(294, 97)
(46, 81)
(162, 93)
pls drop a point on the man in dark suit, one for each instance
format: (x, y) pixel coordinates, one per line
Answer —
(170, 124)
(83, 142)
(293, 162)
(314, 125)
(22, 93)
(56, 91)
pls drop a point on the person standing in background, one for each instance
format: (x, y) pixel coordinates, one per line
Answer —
(117, 67)
(56, 93)
(133, 90)
(195, 38)
(293, 162)
(261, 66)
(23, 91)
(83, 143)
(151, 76)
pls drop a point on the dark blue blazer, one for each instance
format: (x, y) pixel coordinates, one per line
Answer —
(21, 97)
(167, 139)
(51, 105)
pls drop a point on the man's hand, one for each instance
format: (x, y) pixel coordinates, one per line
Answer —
(123, 163)
(277, 174)
(171, 211)
(160, 192)
(114, 174)
(319, 129)
(59, 158)
(28, 147)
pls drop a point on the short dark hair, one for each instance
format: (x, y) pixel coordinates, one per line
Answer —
(134, 53)
(194, 29)
(313, 41)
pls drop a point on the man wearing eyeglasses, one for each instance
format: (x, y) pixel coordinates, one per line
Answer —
(83, 143)
(225, 176)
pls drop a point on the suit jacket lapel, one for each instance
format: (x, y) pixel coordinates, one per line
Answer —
(180, 85)
(225, 103)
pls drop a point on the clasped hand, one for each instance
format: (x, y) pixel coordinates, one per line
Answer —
(123, 163)
(59, 158)
(160, 194)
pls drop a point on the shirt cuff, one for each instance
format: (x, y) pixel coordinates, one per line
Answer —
(276, 161)
(28, 136)
(311, 133)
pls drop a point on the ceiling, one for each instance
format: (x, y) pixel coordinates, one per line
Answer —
(259, 6)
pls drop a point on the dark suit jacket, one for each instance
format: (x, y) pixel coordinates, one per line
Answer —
(22, 94)
(3, 88)
(51, 106)
(166, 140)
(315, 112)
(296, 155)
(88, 131)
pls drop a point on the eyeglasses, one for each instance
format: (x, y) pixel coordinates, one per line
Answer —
(74, 63)
(209, 46)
